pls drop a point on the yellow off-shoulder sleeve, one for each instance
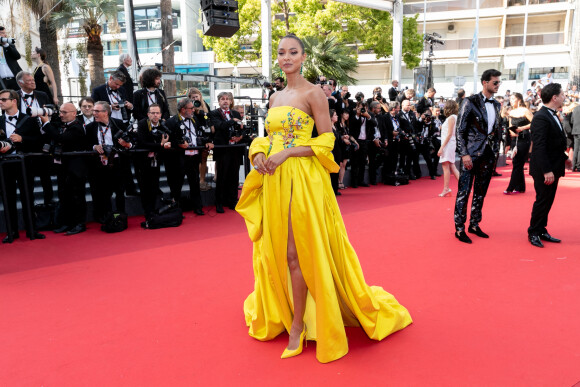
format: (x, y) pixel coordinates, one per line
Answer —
(259, 145)
(322, 147)
(250, 204)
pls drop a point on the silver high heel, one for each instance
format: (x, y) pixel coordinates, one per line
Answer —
(446, 192)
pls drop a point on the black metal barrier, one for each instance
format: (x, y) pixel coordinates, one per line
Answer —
(22, 157)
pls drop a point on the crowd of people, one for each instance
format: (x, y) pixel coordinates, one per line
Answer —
(130, 130)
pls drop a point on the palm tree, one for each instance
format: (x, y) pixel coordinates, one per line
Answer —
(91, 14)
(326, 56)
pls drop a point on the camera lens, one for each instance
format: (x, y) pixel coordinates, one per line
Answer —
(196, 104)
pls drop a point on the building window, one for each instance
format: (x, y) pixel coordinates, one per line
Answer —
(147, 19)
(542, 30)
(144, 46)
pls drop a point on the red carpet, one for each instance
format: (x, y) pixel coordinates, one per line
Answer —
(164, 307)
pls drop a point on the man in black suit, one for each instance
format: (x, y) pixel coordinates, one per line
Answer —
(186, 131)
(478, 138)
(228, 160)
(547, 162)
(332, 101)
(125, 61)
(150, 94)
(344, 102)
(378, 141)
(363, 133)
(9, 66)
(377, 96)
(427, 101)
(105, 171)
(393, 91)
(29, 96)
(410, 125)
(86, 115)
(115, 96)
(18, 133)
(68, 135)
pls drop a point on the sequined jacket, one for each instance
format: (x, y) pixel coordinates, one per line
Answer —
(471, 127)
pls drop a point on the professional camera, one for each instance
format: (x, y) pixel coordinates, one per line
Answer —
(7, 40)
(203, 135)
(160, 131)
(196, 104)
(46, 111)
(267, 85)
(346, 96)
(359, 97)
(236, 130)
(427, 119)
(126, 135)
(378, 96)
(403, 136)
(54, 149)
(123, 109)
(7, 142)
(321, 80)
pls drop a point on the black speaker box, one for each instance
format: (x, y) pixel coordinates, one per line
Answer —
(218, 13)
(223, 4)
(222, 28)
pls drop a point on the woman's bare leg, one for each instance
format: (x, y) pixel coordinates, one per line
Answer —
(446, 175)
(299, 289)
(454, 170)
(342, 171)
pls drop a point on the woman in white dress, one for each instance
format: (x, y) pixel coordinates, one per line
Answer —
(447, 150)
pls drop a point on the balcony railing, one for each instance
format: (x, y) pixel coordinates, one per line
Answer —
(535, 40)
(515, 3)
(141, 25)
(454, 5)
(465, 44)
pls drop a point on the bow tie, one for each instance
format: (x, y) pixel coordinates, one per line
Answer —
(26, 96)
(489, 100)
(150, 92)
(226, 112)
(12, 118)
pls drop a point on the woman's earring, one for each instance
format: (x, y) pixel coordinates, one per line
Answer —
(301, 65)
(281, 72)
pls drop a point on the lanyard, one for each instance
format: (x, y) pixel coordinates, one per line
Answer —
(395, 123)
(149, 96)
(103, 133)
(25, 100)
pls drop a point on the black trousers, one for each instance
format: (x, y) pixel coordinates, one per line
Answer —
(392, 158)
(150, 172)
(44, 168)
(177, 168)
(518, 181)
(106, 180)
(228, 176)
(15, 180)
(376, 159)
(72, 204)
(358, 163)
(425, 151)
(545, 195)
(479, 177)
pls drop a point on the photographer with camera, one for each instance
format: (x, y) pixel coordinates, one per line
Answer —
(332, 102)
(406, 94)
(200, 112)
(279, 83)
(18, 133)
(411, 125)
(9, 66)
(394, 90)
(344, 104)
(107, 136)
(153, 135)
(378, 96)
(379, 143)
(364, 134)
(396, 129)
(125, 62)
(186, 132)
(425, 142)
(115, 95)
(68, 135)
(229, 129)
(427, 101)
(150, 94)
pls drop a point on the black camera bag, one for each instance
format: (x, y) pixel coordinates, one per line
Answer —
(170, 218)
(115, 222)
(44, 217)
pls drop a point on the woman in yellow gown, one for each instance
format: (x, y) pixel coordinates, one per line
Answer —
(308, 280)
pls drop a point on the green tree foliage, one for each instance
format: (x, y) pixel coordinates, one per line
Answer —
(355, 27)
(326, 56)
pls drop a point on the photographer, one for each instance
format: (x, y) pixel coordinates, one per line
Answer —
(125, 62)
(426, 142)
(186, 132)
(68, 135)
(9, 66)
(406, 94)
(279, 83)
(344, 104)
(412, 126)
(332, 102)
(150, 94)
(363, 133)
(378, 96)
(105, 135)
(18, 133)
(113, 93)
(153, 135)
(200, 112)
(394, 90)
(427, 101)
(228, 130)
(378, 145)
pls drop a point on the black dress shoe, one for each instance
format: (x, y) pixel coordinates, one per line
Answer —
(477, 231)
(219, 209)
(412, 177)
(433, 178)
(438, 174)
(61, 229)
(354, 186)
(548, 238)
(35, 235)
(364, 185)
(494, 173)
(199, 211)
(462, 236)
(76, 230)
(338, 193)
(7, 238)
(535, 240)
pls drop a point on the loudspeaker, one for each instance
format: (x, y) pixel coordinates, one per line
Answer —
(220, 18)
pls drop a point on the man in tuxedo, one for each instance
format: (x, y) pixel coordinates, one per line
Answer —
(478, 138)
(186, 131)
(150, 94)
(344, 102)
(115, 96)
(18, 133)
(393, 91)
(547, 162)
(410, 125)
(427, 102)
(125, 61)
(228, 160)
(364, 133)
(9, 66)
(68, 135)
(377, 96)
(332, 101)
(378, 141)
(105, 171)
(86, 105)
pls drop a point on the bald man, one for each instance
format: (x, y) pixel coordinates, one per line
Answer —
(69, 136)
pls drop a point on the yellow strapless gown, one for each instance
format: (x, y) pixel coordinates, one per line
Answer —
(337, 293)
